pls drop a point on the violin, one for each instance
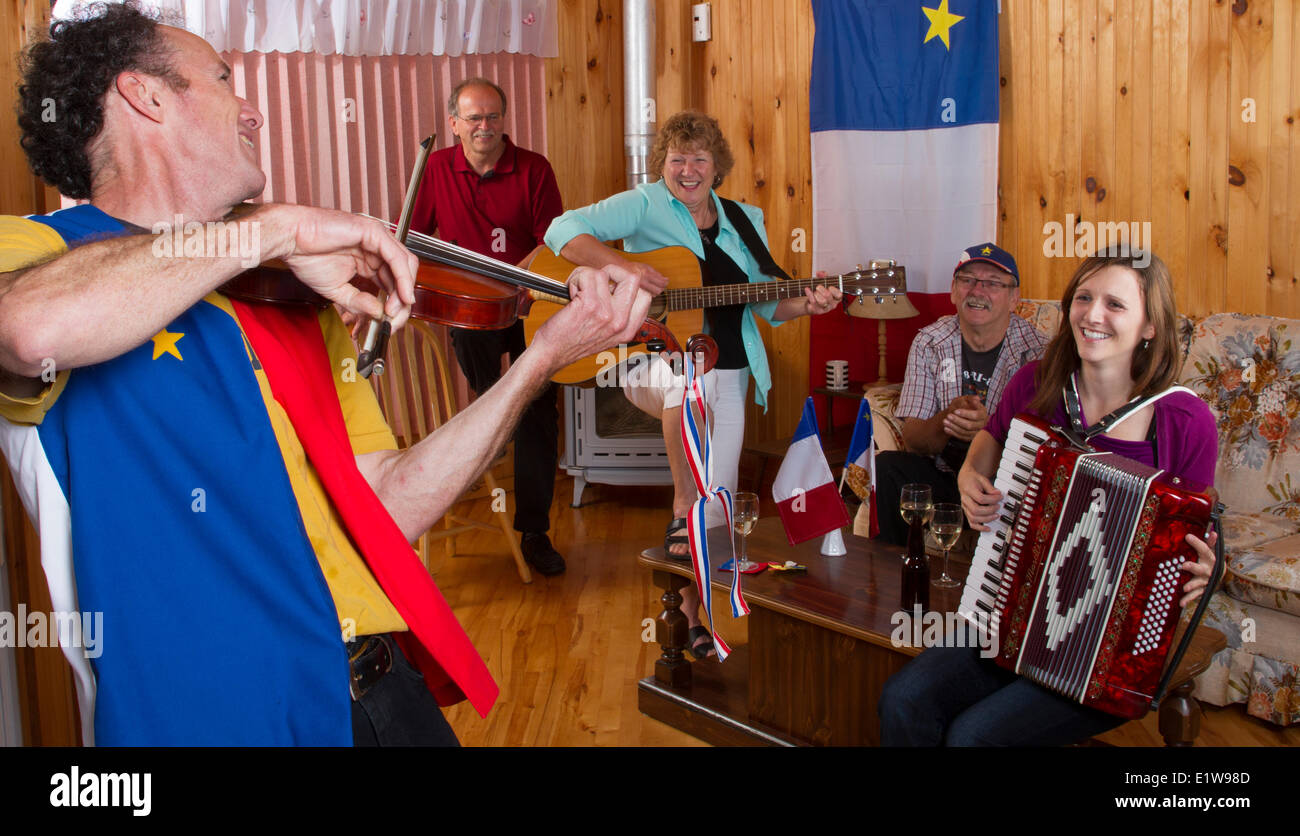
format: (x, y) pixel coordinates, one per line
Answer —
(459, 288)
(453, 286)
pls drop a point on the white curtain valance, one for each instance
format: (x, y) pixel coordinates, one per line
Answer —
(366, 27)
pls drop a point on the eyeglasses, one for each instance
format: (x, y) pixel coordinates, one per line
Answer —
(490, 118)
(967, 281)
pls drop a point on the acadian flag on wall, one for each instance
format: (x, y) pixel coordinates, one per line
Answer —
(805, 491)
(904, 113)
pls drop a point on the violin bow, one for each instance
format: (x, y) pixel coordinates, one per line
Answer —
(370, 359)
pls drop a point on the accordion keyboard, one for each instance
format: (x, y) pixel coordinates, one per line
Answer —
(998, 549)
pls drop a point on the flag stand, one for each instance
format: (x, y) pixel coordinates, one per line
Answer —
(833, 544)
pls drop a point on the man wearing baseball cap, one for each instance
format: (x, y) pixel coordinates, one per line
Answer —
(956, 371)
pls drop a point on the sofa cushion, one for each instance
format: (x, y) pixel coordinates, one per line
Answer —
(1243, 530)
(885, 428)
(1043, 315)
(1261, 664)
(1267, 575)
(1248, 370)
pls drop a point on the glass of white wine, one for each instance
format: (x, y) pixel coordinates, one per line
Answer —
(744, 510)
(916, 499)
(946, 525)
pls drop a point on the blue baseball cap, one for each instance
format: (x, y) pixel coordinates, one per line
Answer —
(991, 254)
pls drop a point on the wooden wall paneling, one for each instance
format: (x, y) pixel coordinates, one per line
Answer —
(1250, 53)
(46, 692)
(1121, 194)
(1100, 99)
(1215, 280)
(1283, 218)
(21, 192)
(676, 60)
(1091, 134)
(16, 188)
(1065, 155)
(1136, 73)
(584, 94)
(1021, 214)
(1202, 229)
(1293, 116)
(1178, 110)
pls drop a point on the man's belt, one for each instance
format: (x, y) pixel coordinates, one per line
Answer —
(370, 657)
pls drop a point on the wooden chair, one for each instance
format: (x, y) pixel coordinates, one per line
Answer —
(416, 395)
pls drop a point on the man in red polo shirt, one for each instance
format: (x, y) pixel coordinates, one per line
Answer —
(488, 195)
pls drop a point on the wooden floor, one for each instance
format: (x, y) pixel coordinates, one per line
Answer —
(567, 651)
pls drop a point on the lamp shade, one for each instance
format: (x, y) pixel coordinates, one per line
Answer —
(883, 307)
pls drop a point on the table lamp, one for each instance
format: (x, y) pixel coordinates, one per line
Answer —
(882, 308)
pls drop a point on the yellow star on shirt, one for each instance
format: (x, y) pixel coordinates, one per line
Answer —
(941, 20)
(164, 342)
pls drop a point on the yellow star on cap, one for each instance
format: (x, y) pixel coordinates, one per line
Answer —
(164, 342)
(986, 251)
(941, 20)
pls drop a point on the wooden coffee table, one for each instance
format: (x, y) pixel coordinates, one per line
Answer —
(819, 648)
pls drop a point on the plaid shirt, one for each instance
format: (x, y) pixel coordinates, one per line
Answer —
(933, 378)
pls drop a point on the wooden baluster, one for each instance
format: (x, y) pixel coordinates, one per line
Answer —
(671, 630)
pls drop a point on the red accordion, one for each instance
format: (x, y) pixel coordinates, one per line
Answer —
(1077, 582)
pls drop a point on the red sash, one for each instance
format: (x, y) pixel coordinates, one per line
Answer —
(288, 342)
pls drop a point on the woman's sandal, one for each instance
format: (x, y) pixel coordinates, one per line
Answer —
(676, 535)
(705, 648)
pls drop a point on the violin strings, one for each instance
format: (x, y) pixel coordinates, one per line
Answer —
(455, 256)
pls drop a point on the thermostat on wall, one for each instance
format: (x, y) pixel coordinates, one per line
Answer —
(701, 23)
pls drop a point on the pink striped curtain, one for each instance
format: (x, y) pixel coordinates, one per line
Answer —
(342, 131)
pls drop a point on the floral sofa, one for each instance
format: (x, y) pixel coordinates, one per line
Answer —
(1247, 368)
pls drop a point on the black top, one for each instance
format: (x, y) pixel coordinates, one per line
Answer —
(976, 372)
(724, 322)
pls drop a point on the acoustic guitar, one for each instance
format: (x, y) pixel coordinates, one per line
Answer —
(681, 306)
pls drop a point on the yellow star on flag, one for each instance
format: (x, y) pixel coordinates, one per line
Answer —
(164, 342)
(941, 20)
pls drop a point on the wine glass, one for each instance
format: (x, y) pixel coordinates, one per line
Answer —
(916, 500)
(744, 511)
(946, 525)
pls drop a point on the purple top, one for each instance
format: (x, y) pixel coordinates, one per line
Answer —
(1186, 437)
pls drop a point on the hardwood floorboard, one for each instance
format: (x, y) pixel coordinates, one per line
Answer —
(567, 651)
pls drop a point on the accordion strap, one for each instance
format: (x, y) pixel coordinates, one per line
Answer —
(1075, 412)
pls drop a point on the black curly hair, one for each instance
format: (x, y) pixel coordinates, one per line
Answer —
(64, 78)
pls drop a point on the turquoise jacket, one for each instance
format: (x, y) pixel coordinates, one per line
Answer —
(649, 217)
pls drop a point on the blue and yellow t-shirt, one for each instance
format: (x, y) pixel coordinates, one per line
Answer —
(198, 527)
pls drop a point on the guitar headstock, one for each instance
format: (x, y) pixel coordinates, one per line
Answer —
(880, 280)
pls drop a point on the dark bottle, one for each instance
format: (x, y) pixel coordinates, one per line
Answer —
(916, 569)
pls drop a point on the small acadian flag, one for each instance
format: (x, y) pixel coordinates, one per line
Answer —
(860, 466)
(805, 491)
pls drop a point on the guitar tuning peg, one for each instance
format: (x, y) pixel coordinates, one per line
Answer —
(859, 267)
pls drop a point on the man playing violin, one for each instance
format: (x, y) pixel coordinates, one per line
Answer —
(488, 195)
(238, 510)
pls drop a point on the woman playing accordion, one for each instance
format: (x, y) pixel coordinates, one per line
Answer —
(1117, 343)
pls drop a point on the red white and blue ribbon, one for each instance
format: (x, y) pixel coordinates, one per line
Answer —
(699, 456)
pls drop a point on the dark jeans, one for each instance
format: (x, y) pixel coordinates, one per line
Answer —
(398, 710)
(950, 696)
(537, 436)
(894, 469)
